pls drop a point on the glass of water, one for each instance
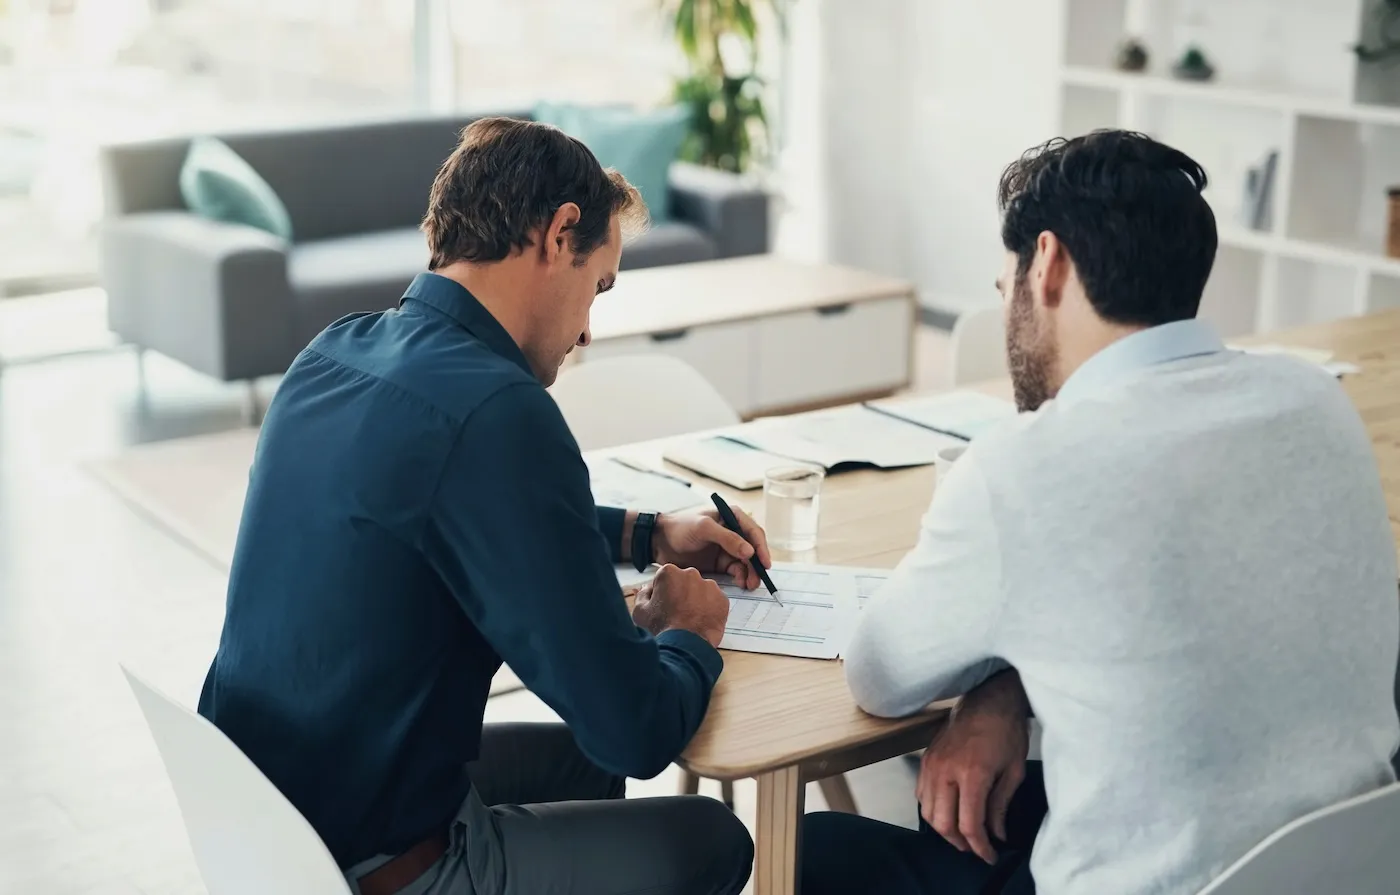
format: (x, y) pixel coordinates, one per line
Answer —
(792, 506)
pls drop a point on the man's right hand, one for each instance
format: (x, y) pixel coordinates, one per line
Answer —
(682, 599)
(974, 765)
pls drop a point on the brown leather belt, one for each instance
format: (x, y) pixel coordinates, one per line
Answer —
(398, 873)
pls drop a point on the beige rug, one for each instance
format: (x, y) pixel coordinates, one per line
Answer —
(194, 488)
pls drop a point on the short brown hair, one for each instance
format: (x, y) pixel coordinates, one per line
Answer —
(506, 179)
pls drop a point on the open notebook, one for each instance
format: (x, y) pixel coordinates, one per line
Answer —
(828, 438)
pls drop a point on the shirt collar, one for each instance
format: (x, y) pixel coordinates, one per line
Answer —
(453, 299)
(1146, 348)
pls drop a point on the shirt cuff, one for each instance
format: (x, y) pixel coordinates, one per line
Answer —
(697, 647)
(610, 521)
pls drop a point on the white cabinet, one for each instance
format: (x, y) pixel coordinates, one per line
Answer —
(722, 352)
(850, 349)
(771, 334)
(797, 358)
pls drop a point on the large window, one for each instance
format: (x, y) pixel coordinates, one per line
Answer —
(77, 73)
(511, 53)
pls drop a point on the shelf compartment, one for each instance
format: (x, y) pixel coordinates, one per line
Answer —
(1341, 172)
(1313, 292)
(1231, 298)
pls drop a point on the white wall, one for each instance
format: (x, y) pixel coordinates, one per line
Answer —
(909, 109)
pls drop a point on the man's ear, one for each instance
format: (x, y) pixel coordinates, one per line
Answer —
(1050, 270)
(558, 236)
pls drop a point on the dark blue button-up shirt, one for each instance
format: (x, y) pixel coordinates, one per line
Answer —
(417, 512)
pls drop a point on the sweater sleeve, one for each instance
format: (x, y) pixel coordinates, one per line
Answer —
(928, 634)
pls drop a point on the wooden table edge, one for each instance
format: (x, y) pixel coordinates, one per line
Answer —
(900, 736)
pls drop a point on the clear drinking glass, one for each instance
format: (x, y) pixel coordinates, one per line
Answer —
(792, 506)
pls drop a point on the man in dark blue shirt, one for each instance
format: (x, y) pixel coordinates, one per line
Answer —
(418, 512)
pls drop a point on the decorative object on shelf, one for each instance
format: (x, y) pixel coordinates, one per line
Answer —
(1193, 65)
(1258, 208)
(721, 86)
(1386, 26)
(1392, 233)
(1132, 56)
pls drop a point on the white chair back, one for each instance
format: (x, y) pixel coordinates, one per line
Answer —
(247, 838)
(618, 400)
(1353, 847)
(979, 346)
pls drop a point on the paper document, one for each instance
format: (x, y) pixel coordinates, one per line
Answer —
(723, 459)
(1318, 357)
(868, 583)
(816, 617)
(617, 485)
(628, 577)
(963, 414)
(853, 434)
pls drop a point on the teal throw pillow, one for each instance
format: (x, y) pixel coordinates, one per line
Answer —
(217, 183)
(641, 145)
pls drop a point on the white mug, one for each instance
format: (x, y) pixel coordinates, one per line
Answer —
(943, 461)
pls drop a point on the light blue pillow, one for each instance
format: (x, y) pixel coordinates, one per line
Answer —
(217, 183)
(641, 145)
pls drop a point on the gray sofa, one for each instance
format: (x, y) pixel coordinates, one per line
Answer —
(235, 302)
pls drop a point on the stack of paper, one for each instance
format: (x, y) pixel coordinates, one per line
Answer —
(853, 434)
(619, 484)
(963, 415)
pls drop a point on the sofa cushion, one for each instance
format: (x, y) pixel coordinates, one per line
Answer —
(642, 145)
(216, 183)
(334, 277)
(670, 242)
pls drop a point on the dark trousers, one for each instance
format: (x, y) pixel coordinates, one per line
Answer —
(850, 855)
(544, 820)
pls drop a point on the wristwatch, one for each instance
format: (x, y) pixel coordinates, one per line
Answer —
(641, 540)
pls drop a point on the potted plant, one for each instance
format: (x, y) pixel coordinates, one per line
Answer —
(721, 86)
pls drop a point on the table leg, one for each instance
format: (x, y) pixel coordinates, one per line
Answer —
(837, 792)
(781, 796)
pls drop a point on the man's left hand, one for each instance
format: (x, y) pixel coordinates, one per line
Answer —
(700, 541)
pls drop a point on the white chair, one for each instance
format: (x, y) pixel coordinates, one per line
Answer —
(979, 346)
(1353, 847)
(247, 838)
(618, 400)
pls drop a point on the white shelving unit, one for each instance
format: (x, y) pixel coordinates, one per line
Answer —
(1286, 80)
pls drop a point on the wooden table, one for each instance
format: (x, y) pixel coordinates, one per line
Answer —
(788, 721)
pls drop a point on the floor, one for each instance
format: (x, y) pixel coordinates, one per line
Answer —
(86, 583)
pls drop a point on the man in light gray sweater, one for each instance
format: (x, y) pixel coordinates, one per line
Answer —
(1178, 556)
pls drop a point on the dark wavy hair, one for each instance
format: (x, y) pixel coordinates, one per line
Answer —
(506, 179)
(1129, 212)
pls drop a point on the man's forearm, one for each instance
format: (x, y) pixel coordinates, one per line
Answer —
(1000, 694)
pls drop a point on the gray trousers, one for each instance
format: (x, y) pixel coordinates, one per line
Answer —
(544, 820)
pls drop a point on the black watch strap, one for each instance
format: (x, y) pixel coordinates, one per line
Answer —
(641, 540)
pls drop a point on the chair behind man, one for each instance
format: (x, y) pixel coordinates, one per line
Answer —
(979, 347)
(1352, 847)
(246, 836)
(619, 400)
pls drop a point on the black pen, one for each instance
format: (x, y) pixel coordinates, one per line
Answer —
(731, 522)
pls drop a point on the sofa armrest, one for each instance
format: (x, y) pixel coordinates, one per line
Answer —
(212, 295)
(731, 209)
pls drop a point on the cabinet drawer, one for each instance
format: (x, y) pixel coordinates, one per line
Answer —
(722, 352)
(816, 355)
